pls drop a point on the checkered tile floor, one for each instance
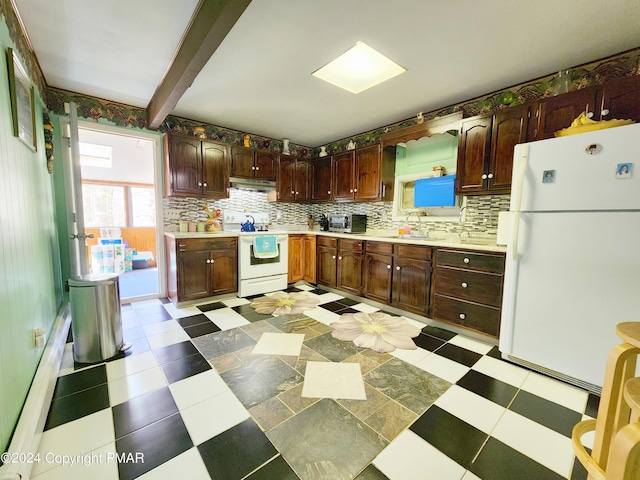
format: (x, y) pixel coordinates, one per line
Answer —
(164, 403)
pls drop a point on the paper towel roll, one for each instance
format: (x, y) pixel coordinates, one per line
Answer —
(504, 226)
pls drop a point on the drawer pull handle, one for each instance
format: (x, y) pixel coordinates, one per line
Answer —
(334, 257)
(466, 260)
(462, 316)
(204, 184)
(388, 267)
(199, 184)
(339, 258)
(464, 285)
(397, 268)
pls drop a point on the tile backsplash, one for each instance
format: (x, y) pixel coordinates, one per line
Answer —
(481, 216)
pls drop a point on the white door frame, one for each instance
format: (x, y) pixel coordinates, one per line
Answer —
(158, 168)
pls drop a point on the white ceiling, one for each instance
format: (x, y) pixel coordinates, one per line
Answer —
(259, 79)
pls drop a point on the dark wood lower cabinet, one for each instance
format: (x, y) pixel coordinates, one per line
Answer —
(339, 263)
(201, 268)
(482, 318)
(326, 265)
(398, 275)
(411, 285)
(350, 267)
(467, 289)
(378, 272)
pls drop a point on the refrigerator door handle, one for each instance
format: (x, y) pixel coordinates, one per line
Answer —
(517, 200)
(517, 188)
(515, 228)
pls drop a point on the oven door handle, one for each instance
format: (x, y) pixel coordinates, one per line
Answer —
(280, 238)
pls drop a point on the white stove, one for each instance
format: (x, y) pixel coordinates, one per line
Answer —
(263, 272)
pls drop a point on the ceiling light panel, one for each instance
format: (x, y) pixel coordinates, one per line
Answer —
(358, 69)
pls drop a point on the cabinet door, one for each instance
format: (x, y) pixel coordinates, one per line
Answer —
(326, 266)
(242, 163)
(215, 170)
(367, 173)
(556, 113)
(302, 181)
(343, 176)
(265, 165)
(286, 179)
(224, 271)
(508, 129)
(194, 275)
(473, 155)
(349, 271)
(411, 284)
(321, 174)
(620, 98)
(185, 166)
(377, 277)
(309, 258)
(295, 258)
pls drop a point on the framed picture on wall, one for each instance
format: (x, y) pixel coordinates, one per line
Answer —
(22, 102)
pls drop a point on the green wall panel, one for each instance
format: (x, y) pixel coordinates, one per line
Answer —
(30, 280)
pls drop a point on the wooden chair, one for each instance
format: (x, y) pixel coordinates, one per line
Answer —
(616, 447)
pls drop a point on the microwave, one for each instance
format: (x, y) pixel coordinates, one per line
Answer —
(353, 223)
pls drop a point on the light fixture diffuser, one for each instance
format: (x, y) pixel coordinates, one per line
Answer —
(359, 68)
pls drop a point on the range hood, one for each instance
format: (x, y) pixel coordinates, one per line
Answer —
(252, 184)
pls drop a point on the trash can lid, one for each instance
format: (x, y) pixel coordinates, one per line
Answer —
(91, 279)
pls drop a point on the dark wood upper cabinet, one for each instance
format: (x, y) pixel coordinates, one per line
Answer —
(286, 179)
(321, 175)
(556, 113)
(619, 98)
(474, 148)
(250, 163)
(364, 174)
(367, 184)
(343, 165)
(215, 170)
(293, 179)
(265, 165)
(196, 168)
(509, 128)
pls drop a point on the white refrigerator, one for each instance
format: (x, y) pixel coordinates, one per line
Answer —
(573, 261)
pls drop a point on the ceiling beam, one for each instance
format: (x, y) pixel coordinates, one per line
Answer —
(212, 21)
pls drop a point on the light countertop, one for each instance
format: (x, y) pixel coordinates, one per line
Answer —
(451, 241)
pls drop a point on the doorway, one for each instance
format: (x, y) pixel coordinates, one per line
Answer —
(121, 195)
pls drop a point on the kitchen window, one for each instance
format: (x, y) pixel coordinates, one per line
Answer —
(118, 205)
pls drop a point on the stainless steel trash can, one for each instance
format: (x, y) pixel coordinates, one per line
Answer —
(96, 321)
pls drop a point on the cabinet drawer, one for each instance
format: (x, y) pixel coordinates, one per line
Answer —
(327, 242)
(487, 262)
(187, 244)
(380, 247)
(470, 285)
(467, 314)
(413, 251)
(346, 244)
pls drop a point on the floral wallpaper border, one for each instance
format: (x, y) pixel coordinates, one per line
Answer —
(621, 65)
(594, 73)
(22, 46)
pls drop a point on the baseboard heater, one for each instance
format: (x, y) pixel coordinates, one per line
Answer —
(26, 437)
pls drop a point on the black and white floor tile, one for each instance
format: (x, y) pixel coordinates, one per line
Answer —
(162, 410)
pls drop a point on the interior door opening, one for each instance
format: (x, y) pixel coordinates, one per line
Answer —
(122, 211)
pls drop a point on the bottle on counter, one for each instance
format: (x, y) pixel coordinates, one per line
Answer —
(311, 222)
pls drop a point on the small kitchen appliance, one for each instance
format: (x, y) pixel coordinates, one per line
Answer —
(349, 223)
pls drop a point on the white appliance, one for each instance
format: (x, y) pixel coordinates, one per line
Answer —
(258, 275)
(573, 265)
